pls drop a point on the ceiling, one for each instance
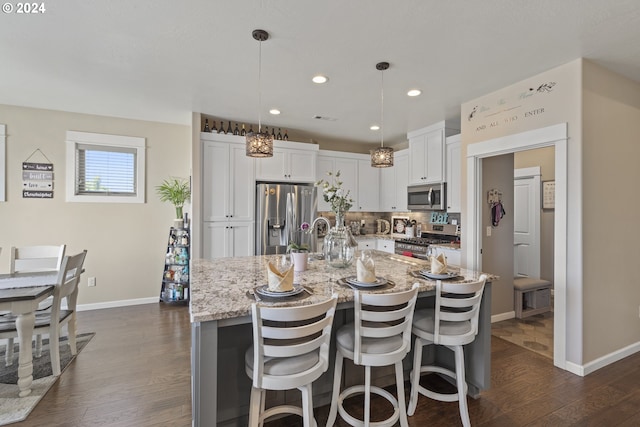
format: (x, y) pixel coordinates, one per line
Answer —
(160, 60)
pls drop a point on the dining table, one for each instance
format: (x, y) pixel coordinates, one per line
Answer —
(20, 294)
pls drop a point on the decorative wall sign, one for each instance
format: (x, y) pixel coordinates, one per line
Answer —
(37, 178)
(521, 106)
(439, 218)
(398, 223)
(548, 194)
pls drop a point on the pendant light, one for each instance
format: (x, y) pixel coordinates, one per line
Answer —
(382, 157)
(259, 144)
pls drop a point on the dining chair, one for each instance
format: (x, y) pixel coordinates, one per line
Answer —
(52, 320)
(452, 323)
(290, 350)
(379, 336)
(29, 259)
(34, 259)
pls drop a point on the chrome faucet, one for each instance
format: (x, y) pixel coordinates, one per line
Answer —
(312, 229)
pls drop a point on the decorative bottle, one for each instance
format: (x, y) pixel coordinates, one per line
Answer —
(229, 130)
(285, 137)
(206, 126)
(236, 131)
(214, 129)
(243, 132)
(279, 136)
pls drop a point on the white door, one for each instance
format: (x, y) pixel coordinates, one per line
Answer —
(526, 227)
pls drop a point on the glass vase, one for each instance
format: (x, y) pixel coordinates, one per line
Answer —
(339, 244)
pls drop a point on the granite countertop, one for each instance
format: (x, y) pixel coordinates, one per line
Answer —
(219, 288)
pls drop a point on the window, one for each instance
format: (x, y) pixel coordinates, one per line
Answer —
(105, 168)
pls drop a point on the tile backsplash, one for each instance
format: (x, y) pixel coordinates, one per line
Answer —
(370, 224)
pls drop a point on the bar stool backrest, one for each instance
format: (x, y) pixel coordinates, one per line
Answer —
(379, 316)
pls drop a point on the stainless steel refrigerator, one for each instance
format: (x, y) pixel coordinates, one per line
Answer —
(281, 211)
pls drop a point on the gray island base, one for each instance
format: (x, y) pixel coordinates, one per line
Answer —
(221, 330)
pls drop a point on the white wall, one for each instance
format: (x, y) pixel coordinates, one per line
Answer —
(126, 243)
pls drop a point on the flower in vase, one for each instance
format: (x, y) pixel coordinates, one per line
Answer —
(334, 194)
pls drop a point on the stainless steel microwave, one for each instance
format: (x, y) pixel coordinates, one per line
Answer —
(427, 197)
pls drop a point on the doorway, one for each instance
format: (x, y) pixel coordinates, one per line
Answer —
(555, 136)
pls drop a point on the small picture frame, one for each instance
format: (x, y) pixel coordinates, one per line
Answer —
(398, 225)
(548, 194)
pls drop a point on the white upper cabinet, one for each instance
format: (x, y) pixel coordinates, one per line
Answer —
(454, 184)
(291, 161)
(228, 180)
(357, 176)
(393, 183)
(427, 153)
(368, 187)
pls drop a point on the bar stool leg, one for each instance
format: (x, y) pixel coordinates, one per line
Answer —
(462, 386)
(337, 376)
(254, 407)
(400, 390)
(367, 396)
(415, 376)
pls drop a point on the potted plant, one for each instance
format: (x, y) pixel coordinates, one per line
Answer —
(299, 255)
(177, 191)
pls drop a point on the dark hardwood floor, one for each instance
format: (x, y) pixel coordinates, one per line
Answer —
(136, 372)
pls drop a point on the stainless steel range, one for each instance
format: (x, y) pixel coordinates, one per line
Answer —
(418, 247)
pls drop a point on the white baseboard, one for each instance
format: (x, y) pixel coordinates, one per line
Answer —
(610, 358)
(121, 303)
(503, 316)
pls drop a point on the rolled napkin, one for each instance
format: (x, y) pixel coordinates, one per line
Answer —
(365, 273)
(438, 264)
(280, 281)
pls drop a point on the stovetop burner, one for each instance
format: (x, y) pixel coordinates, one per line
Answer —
(425, 241)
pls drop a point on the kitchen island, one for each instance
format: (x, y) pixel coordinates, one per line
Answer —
(220, 310)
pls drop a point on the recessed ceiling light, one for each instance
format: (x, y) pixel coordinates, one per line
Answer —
(274, 111)
(414, 92)
(374, 127)
(319, 79)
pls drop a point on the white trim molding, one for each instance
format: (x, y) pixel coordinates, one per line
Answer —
(556, 136)
(3, 162)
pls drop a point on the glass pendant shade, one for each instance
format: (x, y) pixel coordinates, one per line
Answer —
(382, 157)
(259, 144)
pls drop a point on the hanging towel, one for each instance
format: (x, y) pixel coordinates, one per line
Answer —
(497, 212)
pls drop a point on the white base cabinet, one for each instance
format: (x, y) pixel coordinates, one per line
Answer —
(386, 245)
(227, 239)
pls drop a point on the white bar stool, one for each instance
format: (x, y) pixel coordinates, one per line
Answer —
(452, 323)
(290, 350)
(379, 336)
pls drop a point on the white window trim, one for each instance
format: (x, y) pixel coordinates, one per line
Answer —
(74, 138)
(3, 160)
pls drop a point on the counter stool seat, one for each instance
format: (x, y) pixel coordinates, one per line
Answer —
(531, 296)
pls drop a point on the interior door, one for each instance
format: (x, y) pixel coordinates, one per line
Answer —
(526, 227)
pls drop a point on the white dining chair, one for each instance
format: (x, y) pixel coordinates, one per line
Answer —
(379, 336)
(52, 320)
(29, 259)
(290, 350)
(452, 323)
(34, 259)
